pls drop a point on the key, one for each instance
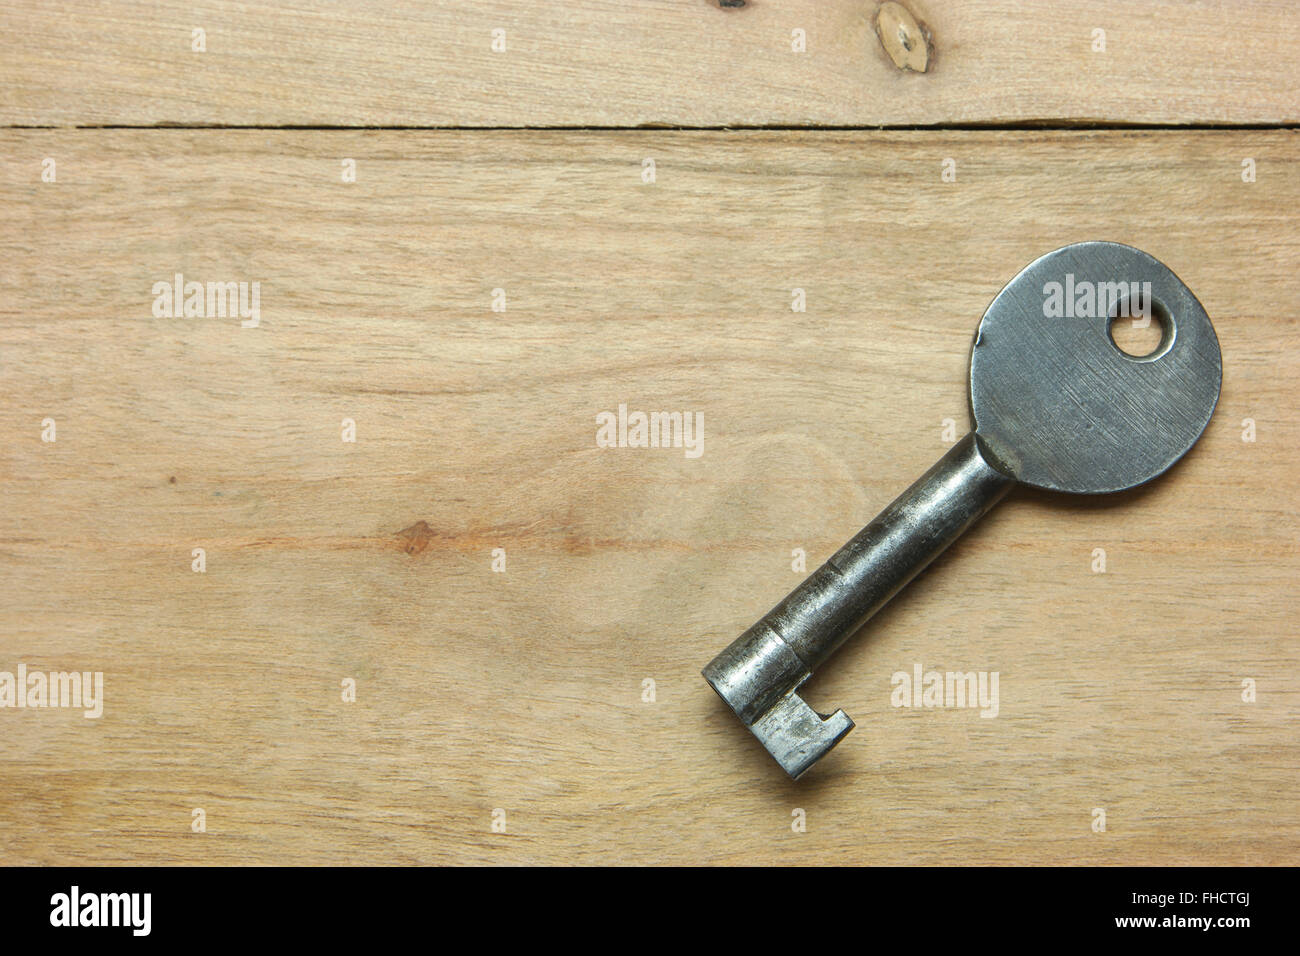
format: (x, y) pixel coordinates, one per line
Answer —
(1055, 404)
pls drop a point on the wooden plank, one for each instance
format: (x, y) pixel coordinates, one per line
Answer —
(523, 691)
(654, 62)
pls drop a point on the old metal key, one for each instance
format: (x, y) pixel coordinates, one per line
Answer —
(1056, 404)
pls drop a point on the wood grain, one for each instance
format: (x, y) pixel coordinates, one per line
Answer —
(675, 62)
(522, 691)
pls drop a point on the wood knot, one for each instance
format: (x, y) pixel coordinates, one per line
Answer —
(906, 39)
(417, 537)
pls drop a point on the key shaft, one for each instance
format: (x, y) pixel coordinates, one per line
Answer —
(759, 673)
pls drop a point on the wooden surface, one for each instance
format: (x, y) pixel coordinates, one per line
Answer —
(681, 62)
(523, 691)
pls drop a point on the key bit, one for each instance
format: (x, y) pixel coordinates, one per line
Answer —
(1056, 404)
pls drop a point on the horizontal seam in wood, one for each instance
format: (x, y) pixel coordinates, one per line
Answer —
(935, 127)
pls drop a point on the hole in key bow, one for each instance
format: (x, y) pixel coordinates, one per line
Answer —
(1142, 331)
